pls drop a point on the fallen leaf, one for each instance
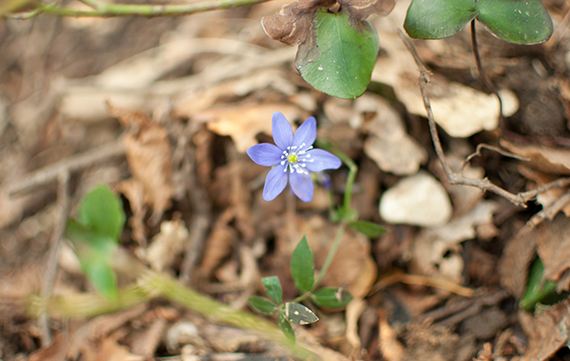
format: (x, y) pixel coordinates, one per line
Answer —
(388, 144)
(53, 352)
(413, 199)
(133, 190)
(547, 331)
(167, 244)
(146, 343)
(244, 122)
(148, 153)
(109, 350)
(545, 198)
(543, 158)
(513, 265)
(553, 246)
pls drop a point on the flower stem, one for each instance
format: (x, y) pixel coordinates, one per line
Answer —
(352, 170)
(330, 256)
(104, 9)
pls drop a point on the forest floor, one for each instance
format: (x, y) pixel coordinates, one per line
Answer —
(163, 109)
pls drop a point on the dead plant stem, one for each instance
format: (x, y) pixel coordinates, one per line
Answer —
(484, 184)
(51, 269)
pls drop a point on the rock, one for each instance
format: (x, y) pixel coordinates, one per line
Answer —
(417, 200)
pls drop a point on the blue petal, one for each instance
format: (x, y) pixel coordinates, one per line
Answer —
(302, 186)
(322, 160)
(307, 133)
(275, 182)
(265, 154)
(282, 131)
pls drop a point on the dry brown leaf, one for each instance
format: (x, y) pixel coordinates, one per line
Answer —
(547, 332)
(244, 122)
(353, 312)
(513, 265)
(219, 245)
(147, 342)
(109, 350)
(149, 155)
(133, 190)
(545, 159)
(550, 196)
(553, 241)
(167, 244)
(54, 352)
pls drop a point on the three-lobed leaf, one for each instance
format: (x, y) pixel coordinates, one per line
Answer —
(102, 211)
(514, 21)
(285, 326)
(437, 19)
(331, 297)
(302, 266)
(299, 314)
(263, 305)
(339, 57)
(95, 237)
(369, 229)
(273, 288)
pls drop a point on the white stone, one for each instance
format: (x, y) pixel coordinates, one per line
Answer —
(418, 200)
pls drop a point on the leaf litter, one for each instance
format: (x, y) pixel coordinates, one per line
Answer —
(187, 91)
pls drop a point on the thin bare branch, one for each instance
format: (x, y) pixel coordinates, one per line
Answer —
(457, 178)
(51, 269)
(493, 148)
(51, 172)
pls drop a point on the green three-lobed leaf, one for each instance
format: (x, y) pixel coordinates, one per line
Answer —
(339, 58)
(515, 21)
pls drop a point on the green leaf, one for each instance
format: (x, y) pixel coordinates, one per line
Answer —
(339, 56)
(536, 291)
(102, 276)
(437, 19)
(298, 314)
(262, 305)
(331, 297)
(368, 229)
(94, 252)
(302, 266)
(102, 211)
(285, 326)
(516, 21)
(273, 288)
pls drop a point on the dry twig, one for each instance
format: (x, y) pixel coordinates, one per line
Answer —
(51, 269)
(484, 184)
(51, 172)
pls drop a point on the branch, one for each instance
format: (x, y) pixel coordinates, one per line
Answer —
(104, 9)
(519, 199)
(50, 173)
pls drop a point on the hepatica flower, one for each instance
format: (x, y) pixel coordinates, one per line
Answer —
(292, 157)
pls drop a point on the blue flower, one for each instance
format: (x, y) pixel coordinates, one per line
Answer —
(293, 157)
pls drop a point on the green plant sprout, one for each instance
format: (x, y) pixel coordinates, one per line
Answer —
(94, 237)
(302, 267)
(539, 290)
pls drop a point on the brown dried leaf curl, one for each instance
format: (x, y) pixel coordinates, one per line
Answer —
(293, 24)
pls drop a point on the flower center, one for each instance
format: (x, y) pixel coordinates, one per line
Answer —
(296, 158)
